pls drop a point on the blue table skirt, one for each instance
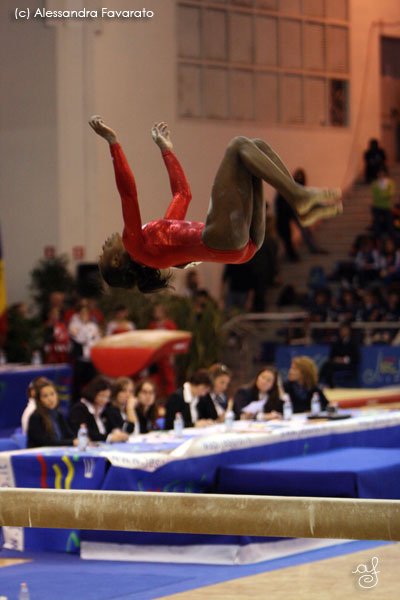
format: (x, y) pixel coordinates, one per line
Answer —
(347, 472)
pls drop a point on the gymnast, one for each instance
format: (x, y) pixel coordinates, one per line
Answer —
(235, 224)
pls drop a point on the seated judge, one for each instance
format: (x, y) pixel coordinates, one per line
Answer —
(186, 399)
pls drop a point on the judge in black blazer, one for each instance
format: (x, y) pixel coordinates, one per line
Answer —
(303, 383)
(90, 410)
(47, 426)
(146, 408)
(262, 398)
(213, 405)
(186, 399)
(120, 412)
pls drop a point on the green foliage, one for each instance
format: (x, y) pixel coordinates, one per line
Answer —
(50, 275)
(24, 335)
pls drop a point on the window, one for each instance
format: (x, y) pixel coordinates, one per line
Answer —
(277, 61)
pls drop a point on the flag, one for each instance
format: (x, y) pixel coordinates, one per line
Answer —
(3, 299)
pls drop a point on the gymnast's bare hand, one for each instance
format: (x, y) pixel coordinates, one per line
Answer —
(161, 135)
(97, 124)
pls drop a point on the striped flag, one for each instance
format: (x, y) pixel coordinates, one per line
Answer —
(3, 299)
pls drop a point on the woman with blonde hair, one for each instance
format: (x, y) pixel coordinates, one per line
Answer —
(303, 383)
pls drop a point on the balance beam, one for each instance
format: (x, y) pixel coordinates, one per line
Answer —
(276, 516)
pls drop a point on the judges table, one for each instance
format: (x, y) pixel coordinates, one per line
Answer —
(194, 463)
(14, 381)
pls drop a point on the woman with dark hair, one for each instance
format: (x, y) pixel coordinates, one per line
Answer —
(90, 410)
(186, 400)
(262, 398)
(214, 404)
(120, 412)
(47, 426)
(31, 404)
(235, 223)
(146, 409)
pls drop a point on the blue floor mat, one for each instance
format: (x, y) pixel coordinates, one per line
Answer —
(57, 576)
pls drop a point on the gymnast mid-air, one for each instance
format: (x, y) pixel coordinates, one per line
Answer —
(235, 224)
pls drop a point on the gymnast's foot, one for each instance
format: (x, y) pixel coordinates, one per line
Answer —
(308, 197)
(161, 135)
(98, 125)
(321, 212)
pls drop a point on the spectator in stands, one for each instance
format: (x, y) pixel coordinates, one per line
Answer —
(163, 369)
(374, 159)
(146, 407)
(56, 338)
(90, 410)
(84, 334)
(237, 287)
(120, 412)
(320, 311)
(344, 356)
(186, 399)
(372, 306)
(347, 306)
(367, 261)
(31, 405)
(47, 426)
(262, 398)
(389, 262)
(303, 383)
(391, 313)
(95, 314)
(120, 322)
(382, 193)
(213, 405)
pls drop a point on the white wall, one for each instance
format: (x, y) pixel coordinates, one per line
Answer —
(125, 70)
(28, 199)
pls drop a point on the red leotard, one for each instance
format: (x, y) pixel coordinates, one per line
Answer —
(170, 241)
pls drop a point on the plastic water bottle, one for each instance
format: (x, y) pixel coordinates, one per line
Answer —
(229, 419)
(287, 408)
(36, 358)
(315, 404)
(3, 361)
(178, 425)
(83, 438)
(23, 592)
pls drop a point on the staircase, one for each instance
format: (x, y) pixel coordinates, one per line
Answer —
(334, 235)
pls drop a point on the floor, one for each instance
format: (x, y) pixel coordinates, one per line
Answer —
(323, 574)
(321, 580)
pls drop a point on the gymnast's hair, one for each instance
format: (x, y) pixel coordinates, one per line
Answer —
(132, 273)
